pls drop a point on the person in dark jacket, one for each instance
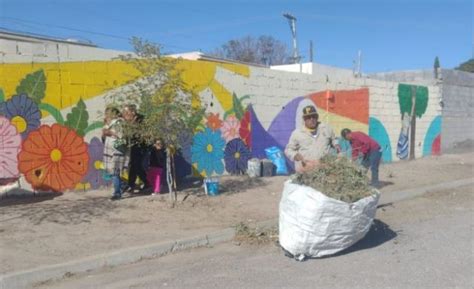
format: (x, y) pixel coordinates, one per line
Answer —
(138, 150)
(366, 147)
(157, 166)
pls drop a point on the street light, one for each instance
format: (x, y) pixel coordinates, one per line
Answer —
(292, 22)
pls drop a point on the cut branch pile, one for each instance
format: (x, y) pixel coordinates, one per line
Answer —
(337, 178)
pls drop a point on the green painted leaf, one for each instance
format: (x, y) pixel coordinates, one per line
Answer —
(238, 109)
(77, 118)
(2, 95)
(421, 100)
(244, 97)
(227, 113)
(34, 84)
(404, 99)
(93, 126)
(53, 111)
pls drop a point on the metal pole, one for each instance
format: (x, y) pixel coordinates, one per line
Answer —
(292, 22)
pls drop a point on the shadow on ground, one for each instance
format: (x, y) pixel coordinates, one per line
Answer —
(239, 184)
(64, 212)
(227, 185)
(378, 234)
(24, 197)
(384, 184)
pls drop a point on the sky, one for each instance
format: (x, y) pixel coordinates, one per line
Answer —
(391, 35)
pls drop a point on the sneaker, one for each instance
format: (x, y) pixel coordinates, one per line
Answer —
(115, 197)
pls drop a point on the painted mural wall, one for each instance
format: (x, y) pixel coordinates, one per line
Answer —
(50, 121)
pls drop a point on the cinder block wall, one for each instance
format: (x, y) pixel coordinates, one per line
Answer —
(458, 108)
(456, 103)
(78, 79)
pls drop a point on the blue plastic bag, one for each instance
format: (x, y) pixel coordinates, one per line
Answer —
(278, 159)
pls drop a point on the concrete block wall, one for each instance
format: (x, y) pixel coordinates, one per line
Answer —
(272, 101)
(458, 108)
(456, 103)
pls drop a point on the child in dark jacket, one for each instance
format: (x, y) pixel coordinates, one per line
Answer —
(157, 166)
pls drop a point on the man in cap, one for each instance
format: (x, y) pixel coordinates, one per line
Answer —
(311, 142)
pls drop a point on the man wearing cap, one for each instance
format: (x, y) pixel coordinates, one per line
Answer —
(309, 143)
(366, 147)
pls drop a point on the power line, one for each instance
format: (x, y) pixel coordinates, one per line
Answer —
(22, 21)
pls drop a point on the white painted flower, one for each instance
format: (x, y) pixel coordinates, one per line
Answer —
(10, 143)
(230, 128)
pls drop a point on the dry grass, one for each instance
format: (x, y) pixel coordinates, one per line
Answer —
(244, 234)
(337, 178)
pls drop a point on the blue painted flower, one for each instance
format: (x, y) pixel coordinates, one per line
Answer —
(208, 151)
(22, 112)
(236, 156)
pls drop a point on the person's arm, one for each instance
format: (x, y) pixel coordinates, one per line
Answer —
(355, 146)
(292, 148)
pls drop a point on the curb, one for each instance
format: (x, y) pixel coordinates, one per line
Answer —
(23, 279)
(393, 197)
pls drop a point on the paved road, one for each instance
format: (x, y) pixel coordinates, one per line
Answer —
(426, 242)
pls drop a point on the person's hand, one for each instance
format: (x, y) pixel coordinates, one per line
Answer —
(308, 166)
(299, 158)
(107, 132)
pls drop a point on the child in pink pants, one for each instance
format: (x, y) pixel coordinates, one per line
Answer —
(157, 166)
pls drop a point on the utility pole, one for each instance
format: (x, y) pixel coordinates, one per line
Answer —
(292, 22)
(311, 51)
(359, 59)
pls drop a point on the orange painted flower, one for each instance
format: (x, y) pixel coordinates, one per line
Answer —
(213, 121)
(53, 158)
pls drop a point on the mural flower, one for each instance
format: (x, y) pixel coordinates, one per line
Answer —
(23, 113)
(213, 121)
(94, 178)
(53, 158)
(236, 155)
(230, 128)
(208, 151)
(10, 142)
(245, 130)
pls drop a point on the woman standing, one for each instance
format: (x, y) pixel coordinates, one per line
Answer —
(114, 149)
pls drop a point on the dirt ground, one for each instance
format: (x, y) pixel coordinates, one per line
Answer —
(52, 229)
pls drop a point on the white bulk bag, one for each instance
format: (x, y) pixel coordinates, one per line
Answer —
(314, 225)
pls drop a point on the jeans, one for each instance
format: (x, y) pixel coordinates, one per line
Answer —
(372, 160)
(117, 182)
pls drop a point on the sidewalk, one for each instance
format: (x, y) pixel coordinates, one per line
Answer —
(78, 228)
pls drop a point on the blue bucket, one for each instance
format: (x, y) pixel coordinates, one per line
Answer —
(212, 186)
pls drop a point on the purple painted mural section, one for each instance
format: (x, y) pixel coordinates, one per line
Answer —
(260, 137)
(285, 123)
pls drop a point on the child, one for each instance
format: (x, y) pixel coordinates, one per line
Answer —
(157, 166)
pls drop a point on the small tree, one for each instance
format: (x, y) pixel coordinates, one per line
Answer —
(467, 66)
(436, 67)
(165, 101)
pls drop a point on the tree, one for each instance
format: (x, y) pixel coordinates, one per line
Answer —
(467, 66)
(164, 100)
(413, 101)
(262, 50)
(436, 67)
